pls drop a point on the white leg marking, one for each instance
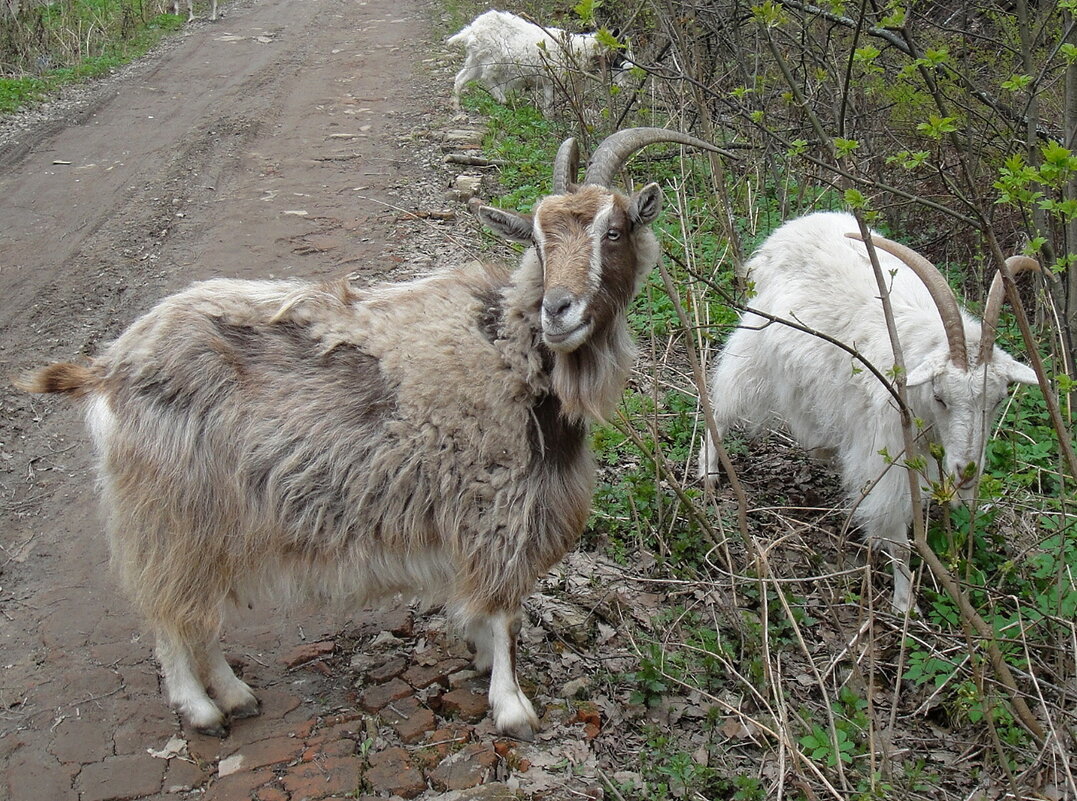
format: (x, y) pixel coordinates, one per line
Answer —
(512, 712)
(183, 687)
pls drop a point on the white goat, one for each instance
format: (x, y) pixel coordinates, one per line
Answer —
(190, 9)
(507, 53)
(426, 438)
(809, 271)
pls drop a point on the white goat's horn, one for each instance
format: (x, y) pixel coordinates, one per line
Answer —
(566, 166)
(940, 293)
(615, 149)
(993, 307)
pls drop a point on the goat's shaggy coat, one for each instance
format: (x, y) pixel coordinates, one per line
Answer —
(328, 442)
(769, 374)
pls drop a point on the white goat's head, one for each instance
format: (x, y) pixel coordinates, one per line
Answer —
(593, 242)
(960, 400)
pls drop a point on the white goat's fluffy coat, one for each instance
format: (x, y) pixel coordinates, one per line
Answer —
(506, 53)
(769, 374)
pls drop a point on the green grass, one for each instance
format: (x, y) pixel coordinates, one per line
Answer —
(46, 47)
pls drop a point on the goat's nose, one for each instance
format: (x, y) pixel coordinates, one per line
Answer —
(556, 302)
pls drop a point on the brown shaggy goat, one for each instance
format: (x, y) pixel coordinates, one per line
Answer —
(426, 438)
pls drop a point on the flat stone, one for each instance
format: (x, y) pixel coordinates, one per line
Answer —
(421, 676)
(240, 786)
(127, 776)
(375, 698)
(32, 773)
(468, 767)
(440, 744)
(493, 791)
(79, 740)
(325, 777)
(271, 793)
(465, 704)
(391, 771)
(182, 776)
(387, 670)
(308, 653)
(409, 718)
(269, 752)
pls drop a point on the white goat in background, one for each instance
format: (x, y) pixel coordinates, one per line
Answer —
(507, 53)
(190, 9)
(338, 443)
(768, 374)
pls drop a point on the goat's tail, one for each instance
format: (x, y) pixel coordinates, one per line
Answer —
(461, 37)
(73, 379)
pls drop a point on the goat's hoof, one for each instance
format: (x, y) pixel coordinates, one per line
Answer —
(251, 709)
(203, 717)
(522, 730)
(518, 720)
(211, 729)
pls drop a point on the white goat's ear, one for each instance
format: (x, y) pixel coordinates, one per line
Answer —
(920, 374)
(646, 204)
(509, 224)
(1017, 373)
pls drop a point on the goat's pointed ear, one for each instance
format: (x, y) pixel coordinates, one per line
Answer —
(509, 224)
(921, 374)
(646, 204)
(1017, 373)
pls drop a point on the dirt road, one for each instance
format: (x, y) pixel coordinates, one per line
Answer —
(281, 140)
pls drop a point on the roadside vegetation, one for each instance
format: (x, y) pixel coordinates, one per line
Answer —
(44, 46)
(771, 666)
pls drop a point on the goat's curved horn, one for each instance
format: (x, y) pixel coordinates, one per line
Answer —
(566, 166)
(610, 156)
(993, 307)
(940, 293)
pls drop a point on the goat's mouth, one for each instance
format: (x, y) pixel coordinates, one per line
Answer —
(567, 340)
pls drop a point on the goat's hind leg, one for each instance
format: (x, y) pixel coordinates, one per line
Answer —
(494, 637)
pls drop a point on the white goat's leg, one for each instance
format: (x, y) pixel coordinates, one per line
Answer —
(510, 708)
(469, 72)
(213, 10)
(730, 401)
(183, 687)
(898, 555)
(232, 694)
(190, 10)
(885, 515)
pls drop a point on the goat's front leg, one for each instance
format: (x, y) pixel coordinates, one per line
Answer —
(234, 698)
(495, 639)
(184, 688)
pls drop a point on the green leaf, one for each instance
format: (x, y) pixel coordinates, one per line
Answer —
(855, 199)
(895, 17)
(1017, 82)
(937, 126)
(585, 10)
(845, 147)
(769, 14)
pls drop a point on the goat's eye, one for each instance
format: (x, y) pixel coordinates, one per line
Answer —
(613, 234)
(940, 401)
